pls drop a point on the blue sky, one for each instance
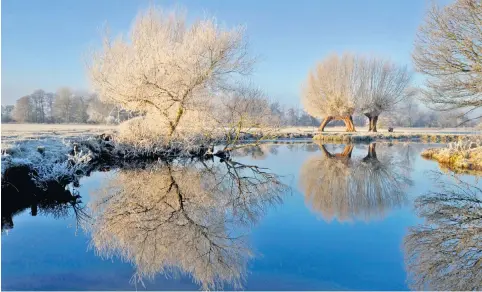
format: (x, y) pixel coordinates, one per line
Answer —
(45, 43)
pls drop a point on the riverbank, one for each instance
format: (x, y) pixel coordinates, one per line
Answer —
(63, 152)
(360, 137)
(461, 156)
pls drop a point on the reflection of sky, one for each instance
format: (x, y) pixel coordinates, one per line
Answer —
(295, 248)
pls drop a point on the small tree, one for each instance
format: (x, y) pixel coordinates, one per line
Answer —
(7, 111)
(24, 110)
(63, 105)
(382, 86)
(330, 90)
(168, 68)
(448, 49)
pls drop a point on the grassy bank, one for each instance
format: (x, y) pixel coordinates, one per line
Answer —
(463, 155)
(386, 136)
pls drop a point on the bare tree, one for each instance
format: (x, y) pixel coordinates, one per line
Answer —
(382, 86)
(63, 105)
(174, 219)
(7, 111)
(169, 68)
(24, 110)
(79, 107)
(245, 110)
(448, 49)
(38, 102)
(49, 107)
(99, 111)
(330, 90)
(445, 252)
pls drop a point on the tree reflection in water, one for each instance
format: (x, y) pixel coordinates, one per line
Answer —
(342, 187)
(183, 219)
(445, 252)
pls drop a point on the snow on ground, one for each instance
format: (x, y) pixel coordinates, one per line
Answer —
(12, 133)
(45, 148)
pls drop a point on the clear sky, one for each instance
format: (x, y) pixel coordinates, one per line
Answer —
(45, 43)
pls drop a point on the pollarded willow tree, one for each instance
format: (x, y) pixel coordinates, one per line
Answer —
(330, 90)
(382, 85)
(448, 49)
(170, 70)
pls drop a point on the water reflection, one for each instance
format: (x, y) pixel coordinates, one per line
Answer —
(19, 193)
(445, 253)
(336, 185)
(260, 152)
(183, 219)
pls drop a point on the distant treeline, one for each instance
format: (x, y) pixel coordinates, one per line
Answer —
(63, 106)
(67, 106)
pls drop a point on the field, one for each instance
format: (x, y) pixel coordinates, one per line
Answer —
(18, 132)
(12, 133)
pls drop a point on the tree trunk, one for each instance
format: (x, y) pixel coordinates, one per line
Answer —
(347, 151)
(350, 127)
(370, 119)
(374, 123)
(372, 153)
(324, 123)
(323, 149)
(173, 125)
(345, 154)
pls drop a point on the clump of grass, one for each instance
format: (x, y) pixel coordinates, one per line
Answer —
(465, 154)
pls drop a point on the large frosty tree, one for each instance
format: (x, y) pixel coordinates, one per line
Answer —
(448, 50)
(168, 68)
(382, 85)
(330, 90)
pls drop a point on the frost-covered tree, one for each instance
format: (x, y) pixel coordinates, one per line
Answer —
(7, 111)
(24, 110)
(98, 111)
(448, 49)
(445, 252)
(383, 85)
(38, 98)
(245, 109)
(169, 69)
(330, 90)
(63, 105)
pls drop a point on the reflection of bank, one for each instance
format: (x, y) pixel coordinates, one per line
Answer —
(445, 252)
(183, 219)
(20, 193)
(336, 185)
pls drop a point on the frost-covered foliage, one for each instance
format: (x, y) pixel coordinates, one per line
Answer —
(49, 159)
(340, 86)
(448, 49)
(330, 89)
(339, 186)
(383, 84)
(183, 219)
(241, 112)
(180, 75)
(445, 252)
(466, 144)
(465, 154)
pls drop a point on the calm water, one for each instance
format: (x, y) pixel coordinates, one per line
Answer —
(279, 217)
